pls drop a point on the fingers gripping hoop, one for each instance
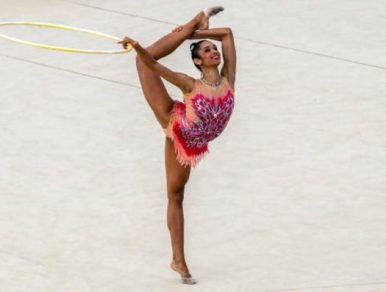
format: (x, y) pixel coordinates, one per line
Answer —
(64, 27)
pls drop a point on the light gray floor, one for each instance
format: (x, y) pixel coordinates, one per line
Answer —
(292, 196)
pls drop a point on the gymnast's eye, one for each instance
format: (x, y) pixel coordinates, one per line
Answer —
(206, 50)
(215, 47)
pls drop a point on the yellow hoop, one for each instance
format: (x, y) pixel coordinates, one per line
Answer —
(64, 49)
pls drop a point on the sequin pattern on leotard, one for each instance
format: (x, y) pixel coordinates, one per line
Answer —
(201, 119)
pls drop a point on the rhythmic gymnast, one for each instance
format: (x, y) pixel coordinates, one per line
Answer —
(189, 125)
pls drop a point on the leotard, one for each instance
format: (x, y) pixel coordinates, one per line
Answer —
(201, 118)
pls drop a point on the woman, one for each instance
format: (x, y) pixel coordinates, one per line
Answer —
(189, 126)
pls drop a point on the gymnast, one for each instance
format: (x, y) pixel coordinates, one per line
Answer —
(189, 125)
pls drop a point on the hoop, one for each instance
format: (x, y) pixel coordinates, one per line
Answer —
(64, 27)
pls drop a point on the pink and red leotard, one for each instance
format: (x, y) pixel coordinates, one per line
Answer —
(198, 120)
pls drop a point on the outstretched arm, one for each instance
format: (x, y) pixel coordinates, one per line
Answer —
(224, 35)
(183, 81)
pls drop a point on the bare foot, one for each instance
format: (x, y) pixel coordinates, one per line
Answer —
(209, 12)
(186, 277)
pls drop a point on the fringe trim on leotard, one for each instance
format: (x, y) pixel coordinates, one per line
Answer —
(185, 155)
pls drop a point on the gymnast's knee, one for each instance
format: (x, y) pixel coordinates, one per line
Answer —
(176, 196)
(176, 192)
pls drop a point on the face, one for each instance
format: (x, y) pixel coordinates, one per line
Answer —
(209, 55)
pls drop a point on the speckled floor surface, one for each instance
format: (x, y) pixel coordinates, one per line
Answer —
(292, 196)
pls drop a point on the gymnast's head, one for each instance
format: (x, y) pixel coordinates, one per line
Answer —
(205, 54)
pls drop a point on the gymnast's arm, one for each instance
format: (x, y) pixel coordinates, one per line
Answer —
(181, 80)
(224, 35)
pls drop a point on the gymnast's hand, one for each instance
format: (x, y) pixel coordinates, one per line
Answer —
(128, 41)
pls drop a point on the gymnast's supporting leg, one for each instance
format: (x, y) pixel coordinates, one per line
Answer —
(176, 178)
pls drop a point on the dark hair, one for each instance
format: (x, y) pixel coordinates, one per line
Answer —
(194, 48)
